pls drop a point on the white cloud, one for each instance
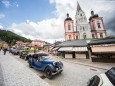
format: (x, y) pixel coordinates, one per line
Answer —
(17, 5)
(1, 27)
(6, 3)
(2, 15)
(53, 29)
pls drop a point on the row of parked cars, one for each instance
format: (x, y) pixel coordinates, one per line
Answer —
(41, 61)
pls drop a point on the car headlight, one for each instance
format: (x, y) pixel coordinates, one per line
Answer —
(55, 63)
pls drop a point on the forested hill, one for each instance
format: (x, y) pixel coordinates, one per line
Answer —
(11, 37)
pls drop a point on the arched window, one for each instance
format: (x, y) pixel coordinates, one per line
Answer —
(76, 37)
(83, 29)
(93, 36)
(99, 25)
(101, 35)
(69, 37)
(84, 35)
(69, 27)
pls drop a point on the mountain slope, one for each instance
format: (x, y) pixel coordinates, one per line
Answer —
(11, 37)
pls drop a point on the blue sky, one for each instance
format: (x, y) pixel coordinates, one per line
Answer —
(44, 19)
(22, 10)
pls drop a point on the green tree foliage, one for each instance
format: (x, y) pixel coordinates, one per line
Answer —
(11, 38)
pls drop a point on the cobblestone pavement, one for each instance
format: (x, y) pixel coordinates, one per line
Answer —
(17, 74)
(73, 74)
(1, 77)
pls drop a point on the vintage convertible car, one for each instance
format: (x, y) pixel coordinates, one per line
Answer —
(104, 79)
(25, 55)
(42, 62)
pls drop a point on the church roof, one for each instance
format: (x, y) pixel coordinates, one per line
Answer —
(78, 7)
(93, 15)
(102, 41)
(68, 18)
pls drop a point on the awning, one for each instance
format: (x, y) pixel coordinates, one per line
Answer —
(79, 49)
(73, 49)
(65, 49)
(56, 48)
(108, 49)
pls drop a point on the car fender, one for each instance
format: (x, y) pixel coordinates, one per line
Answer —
(51, 67)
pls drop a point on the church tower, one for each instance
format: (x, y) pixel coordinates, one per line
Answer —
(69, 29)
(97, 26)
(81, 24)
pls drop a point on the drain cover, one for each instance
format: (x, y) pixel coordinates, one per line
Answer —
(42, 76)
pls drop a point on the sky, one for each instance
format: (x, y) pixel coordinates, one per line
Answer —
(44, 19)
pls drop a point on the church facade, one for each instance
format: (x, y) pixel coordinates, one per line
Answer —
(81, 28)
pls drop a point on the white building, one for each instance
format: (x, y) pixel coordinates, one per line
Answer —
(82, 25)
(83, 29)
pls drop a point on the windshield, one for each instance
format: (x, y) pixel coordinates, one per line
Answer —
(45, 57)
(111, 75)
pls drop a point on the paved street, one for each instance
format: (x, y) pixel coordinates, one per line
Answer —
(17, 74)
(73, 74)
(1, 77)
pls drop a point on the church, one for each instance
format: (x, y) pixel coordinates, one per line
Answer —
(80, 28)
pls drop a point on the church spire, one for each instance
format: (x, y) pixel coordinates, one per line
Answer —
(78, 7)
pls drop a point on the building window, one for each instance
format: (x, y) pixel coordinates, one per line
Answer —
(83, 29)
(76, 28)
(98, 24)
(80, 14)
(69, 27)
(101, 35)
(84, 35)
(93, 36)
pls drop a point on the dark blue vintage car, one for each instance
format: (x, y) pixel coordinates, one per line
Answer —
(42, 62)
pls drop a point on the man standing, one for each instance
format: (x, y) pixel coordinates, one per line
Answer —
(5, 49)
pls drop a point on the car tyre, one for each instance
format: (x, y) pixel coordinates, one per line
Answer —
(94, 81)
(48, 73)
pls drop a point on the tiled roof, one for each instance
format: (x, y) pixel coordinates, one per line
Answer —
(73, 43)
(104, 41)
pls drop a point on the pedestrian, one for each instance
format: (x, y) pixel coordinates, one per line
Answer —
(5, 49)
(0, 48)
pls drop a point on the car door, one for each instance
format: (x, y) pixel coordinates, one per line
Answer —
(37, 63)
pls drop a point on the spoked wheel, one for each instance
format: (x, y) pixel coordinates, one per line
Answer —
(48, 73)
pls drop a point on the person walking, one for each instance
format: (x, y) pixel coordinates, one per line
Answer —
(0, 48)
(5, 49)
